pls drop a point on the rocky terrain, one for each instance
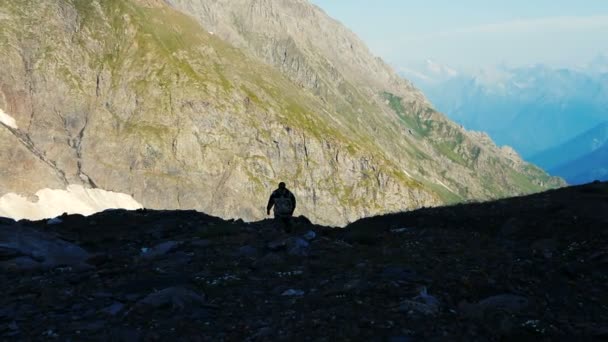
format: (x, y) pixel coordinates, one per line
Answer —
(207, 105)
(529, 268)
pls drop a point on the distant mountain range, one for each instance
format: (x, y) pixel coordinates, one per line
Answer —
(581, 159)
(552, 117)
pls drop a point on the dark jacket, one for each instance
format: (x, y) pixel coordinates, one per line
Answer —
(281, 193)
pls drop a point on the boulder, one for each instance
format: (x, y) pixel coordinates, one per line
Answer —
(179, 298)
(160, 249)
(28, 249)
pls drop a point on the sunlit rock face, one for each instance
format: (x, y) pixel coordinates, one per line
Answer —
(139, 98)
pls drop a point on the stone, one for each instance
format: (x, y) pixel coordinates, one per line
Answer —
(160, 249)
(270, 259)
(178, 298)
(262, 333)
(39, 250)
(511, 227)
(292, 293)
(298, 247)
(400, 230)
(399, 273)
(200, 243)
(424, 304)
(13, 326)
(113, 309)
(509, 303)
(247, 251)
(415, 307)
(277, 245)
(310, 235)
(545, 245)
(5, 221)
(54, 221)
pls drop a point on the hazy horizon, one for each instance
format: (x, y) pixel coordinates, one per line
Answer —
(473, 33)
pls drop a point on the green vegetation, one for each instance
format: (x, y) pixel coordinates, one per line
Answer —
(411, 120)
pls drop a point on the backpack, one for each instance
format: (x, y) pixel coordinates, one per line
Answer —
(282, 205)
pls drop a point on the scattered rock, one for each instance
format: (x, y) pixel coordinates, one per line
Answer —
(9, 253)
(509, 302)
(277, 245)
(504, 303)
(177, 297)
(310, 235)
(424, 304)
(292, 293)
(398, 273)
(39, 250)
(400, 230)
(13, 326)
(270, 259)
(298, 247)
(92, 326)
(247, 251)
(545, 246)
(200, 243)
(336, 292)
(54, 221)
(263, 334)
(160, 249)
(295, 246)
(511, 227)
(113, 309)
(7, 221)
(600, 257)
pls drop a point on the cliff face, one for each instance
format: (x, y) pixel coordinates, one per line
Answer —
(207, 105)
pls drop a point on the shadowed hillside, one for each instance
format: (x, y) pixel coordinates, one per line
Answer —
(533, 268)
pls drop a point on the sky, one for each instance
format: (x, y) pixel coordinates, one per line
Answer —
(469, 34)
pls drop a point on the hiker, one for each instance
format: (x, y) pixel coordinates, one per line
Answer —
(284, 203)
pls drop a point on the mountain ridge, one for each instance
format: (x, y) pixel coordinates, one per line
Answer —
(589, 167)
(575, 148)
(138, 98)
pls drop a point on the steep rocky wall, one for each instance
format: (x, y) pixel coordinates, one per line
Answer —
(195, 125)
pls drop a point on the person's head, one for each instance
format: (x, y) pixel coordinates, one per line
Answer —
(282, 185)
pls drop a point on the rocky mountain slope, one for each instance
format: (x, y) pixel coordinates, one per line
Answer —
(209, 104)
(533, 268)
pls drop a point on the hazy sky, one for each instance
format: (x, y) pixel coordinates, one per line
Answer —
(474, 33)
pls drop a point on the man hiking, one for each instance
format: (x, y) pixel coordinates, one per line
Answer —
(284, 203)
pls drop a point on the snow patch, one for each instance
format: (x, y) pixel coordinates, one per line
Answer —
(7, 120)
(76, 199)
